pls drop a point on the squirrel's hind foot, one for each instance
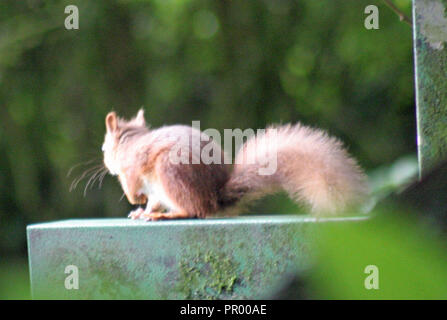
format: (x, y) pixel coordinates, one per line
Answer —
(155, 216)
(136, 214)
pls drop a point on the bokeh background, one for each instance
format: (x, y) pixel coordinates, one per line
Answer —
(230, 64)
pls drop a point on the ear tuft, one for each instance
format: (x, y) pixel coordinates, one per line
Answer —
(111, 122)
(140, 117)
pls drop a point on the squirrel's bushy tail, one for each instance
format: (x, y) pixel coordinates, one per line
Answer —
(312, 167)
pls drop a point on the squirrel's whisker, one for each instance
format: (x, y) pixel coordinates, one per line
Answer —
(92, 178)
(102, 177)
(80, 164)
(75, 182)
(100, 173)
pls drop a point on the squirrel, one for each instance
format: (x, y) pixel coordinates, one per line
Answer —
(312, 167)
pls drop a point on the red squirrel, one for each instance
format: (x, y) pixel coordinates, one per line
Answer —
(312, 167)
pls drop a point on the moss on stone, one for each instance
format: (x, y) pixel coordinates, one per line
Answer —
(432, 92)
(207, 275)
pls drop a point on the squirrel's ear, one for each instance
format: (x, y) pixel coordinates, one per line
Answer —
(140, 117)
(111, 122)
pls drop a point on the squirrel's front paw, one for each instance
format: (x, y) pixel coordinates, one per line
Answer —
(136, 214)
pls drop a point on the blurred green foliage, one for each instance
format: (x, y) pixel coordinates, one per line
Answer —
(229, 64)
(14, 279)
(410, 258)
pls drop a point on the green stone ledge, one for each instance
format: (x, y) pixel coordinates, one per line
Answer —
(430, 57)
(234, 258)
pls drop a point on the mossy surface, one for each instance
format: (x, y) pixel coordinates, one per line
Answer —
(246, 258)
(239, 263)
(431, 85)
(207, 275)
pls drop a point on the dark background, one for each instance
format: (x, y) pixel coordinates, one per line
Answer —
(230, 64)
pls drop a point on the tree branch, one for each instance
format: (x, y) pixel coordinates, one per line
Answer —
(402, 16)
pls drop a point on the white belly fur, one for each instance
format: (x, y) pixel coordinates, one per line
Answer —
(156, 193)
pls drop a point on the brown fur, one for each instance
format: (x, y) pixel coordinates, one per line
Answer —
(312, 167)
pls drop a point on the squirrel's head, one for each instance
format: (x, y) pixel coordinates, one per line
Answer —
(116, 131)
